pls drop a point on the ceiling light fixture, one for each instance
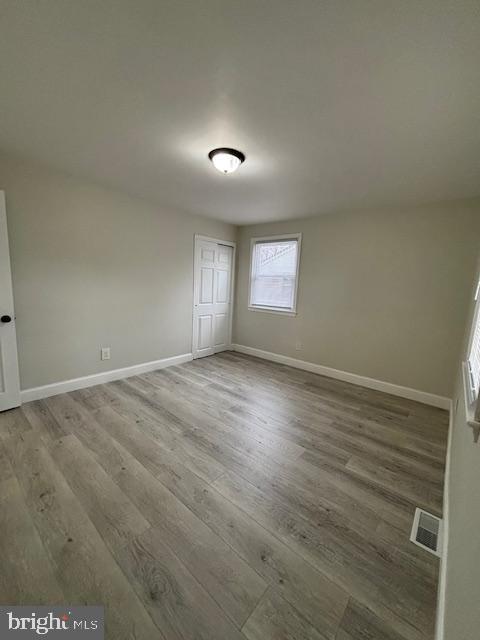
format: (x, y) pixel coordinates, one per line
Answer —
(226, 160)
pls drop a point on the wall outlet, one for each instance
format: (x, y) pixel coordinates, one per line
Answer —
(105, 353)
(298, 345)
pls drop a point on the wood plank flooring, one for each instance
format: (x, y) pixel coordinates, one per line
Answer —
(226, 498)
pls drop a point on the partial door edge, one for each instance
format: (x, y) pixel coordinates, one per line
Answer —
(9, 374)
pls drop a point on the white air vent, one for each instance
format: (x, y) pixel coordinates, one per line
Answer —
(427, 531)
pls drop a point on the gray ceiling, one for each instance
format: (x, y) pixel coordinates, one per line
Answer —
(337, 104)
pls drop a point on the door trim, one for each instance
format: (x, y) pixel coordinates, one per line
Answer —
(229, 243)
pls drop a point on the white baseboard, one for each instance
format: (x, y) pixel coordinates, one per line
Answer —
(37, 393)
(353, 378)
(442, 577)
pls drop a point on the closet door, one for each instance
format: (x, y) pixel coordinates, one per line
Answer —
(212, 305)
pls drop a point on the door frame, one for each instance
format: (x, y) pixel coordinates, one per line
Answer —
(229, 243)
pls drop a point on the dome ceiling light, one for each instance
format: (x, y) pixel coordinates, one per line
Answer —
(226, 160)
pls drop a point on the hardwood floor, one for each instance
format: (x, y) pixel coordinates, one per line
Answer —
(226, 498)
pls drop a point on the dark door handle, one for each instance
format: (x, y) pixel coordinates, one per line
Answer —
(6, 319)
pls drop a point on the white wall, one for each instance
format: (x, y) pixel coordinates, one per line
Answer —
(93, 267)
(382, 294)
(462, 610)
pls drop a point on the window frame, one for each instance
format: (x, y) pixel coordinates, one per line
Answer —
(472, 395)
(264, 308)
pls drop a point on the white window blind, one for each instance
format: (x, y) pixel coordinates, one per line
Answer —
(274, 273)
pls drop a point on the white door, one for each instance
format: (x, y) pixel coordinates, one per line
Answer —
(9, 381)
(212, 305)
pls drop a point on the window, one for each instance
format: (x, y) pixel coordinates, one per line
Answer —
(473, 360)
(274, 273)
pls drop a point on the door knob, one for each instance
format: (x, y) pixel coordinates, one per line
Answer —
(6, 319)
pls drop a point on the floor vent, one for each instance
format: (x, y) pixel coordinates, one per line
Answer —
(427, 531)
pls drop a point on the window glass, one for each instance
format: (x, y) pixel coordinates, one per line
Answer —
(274, 274)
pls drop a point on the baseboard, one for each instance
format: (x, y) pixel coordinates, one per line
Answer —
(345, 376)
(442, 577)
(37, 393)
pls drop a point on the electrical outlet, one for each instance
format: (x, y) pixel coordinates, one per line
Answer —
(298, 345)
(105, 353)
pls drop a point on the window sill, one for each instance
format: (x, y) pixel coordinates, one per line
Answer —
(280, 312)
(469, 405)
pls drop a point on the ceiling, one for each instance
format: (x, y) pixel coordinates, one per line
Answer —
(340, 104)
